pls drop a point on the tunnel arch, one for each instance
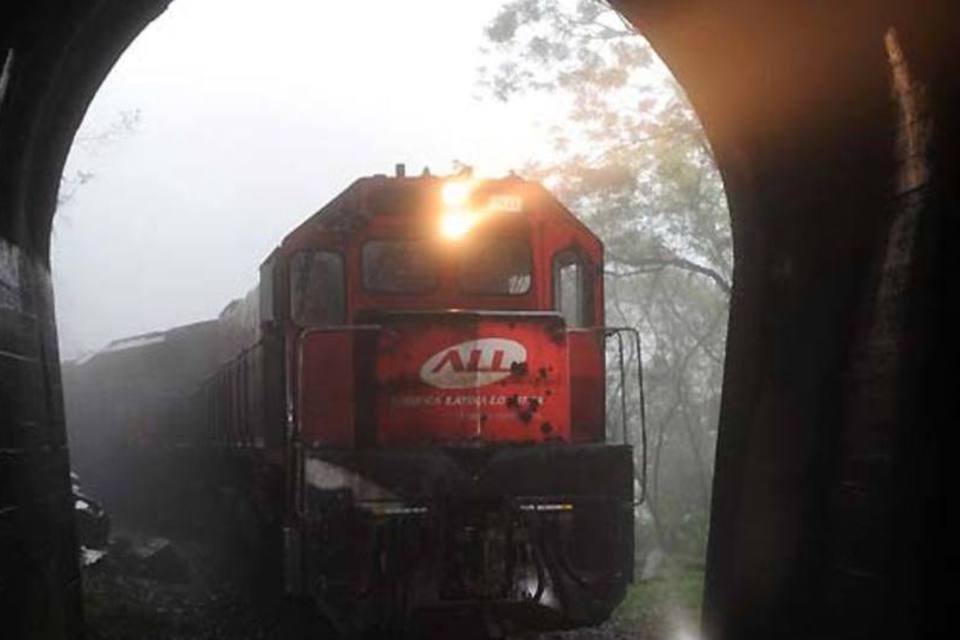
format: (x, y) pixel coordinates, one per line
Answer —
(833, 418)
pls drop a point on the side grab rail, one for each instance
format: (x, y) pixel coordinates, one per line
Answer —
(632, 332)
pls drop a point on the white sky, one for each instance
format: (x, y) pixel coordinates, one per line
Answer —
(250, 121)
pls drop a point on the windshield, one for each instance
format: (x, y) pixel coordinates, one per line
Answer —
(317, 288)
(398, 266)
(496, 265)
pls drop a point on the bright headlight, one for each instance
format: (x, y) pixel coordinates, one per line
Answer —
(455, 224)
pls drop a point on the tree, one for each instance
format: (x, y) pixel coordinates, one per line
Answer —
(631, 158)
(125, 124)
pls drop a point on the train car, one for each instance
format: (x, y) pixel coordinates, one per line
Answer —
(124, 399)
(415, 395)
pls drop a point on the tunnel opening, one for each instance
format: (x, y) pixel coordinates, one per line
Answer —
(797, 104)
(657, 201)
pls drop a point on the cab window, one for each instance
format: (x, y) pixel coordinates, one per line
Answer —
(496, 265)
(572, 288)
(398, 266)
(317, 296)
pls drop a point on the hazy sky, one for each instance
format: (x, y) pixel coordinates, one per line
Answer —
(250, 121)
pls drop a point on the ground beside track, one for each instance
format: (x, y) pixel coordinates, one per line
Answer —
(666, 608)
(213, 599)
(208, 602)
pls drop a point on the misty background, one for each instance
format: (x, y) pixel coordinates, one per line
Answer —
(225, 125)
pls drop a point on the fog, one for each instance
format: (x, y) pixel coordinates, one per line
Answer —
(250, 120)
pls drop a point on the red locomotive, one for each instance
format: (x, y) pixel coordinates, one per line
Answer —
(418, 388)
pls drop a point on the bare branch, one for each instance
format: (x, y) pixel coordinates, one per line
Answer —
(649, 265)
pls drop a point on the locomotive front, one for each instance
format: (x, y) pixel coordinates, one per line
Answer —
(444, 384)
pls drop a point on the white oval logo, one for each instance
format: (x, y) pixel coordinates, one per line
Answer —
(474, 363)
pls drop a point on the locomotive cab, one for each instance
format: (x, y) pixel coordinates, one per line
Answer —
(481, 316)
(442, 349)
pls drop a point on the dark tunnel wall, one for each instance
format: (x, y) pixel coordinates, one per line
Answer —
(834, 126)
(837, 140)
(53, 56)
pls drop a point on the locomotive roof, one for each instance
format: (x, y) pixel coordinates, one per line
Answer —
(379, 194)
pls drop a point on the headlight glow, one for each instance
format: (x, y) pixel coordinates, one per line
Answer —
(455, 224)
(455, 193)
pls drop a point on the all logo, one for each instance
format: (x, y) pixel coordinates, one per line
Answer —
(474, 363)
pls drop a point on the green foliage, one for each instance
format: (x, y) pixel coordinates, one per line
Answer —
(665, 607)
(631, 158)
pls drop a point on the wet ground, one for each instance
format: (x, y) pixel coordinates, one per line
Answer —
(176, 589)
(123, 599)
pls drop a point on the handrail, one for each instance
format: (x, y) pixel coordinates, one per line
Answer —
(618, 331)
